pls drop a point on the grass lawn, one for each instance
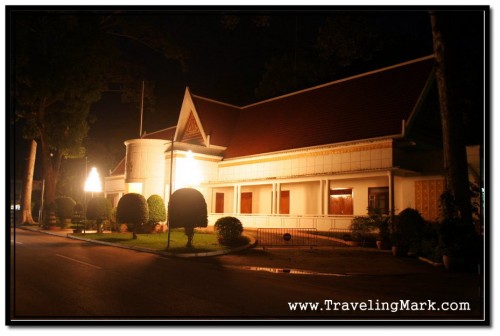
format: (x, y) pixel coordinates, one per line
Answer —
(202, 241)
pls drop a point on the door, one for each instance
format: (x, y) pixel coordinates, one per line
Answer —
(219, 202)
(285, 202)
(246, 203)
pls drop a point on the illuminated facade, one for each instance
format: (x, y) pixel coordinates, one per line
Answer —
(314, 158)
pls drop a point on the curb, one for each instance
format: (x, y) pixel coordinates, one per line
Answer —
(251, 244)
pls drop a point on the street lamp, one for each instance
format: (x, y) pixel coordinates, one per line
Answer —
(93, 182)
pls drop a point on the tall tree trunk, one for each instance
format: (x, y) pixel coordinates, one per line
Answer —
(455, 155)
(51, 164)
(26, 216)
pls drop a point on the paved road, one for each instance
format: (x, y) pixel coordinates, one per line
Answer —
(54, 277)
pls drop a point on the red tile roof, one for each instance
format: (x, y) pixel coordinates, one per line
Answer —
(361, 107)
(218, 119)
(366, 106)
(119, 169)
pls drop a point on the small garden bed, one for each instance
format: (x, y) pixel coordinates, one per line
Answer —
(203, 241)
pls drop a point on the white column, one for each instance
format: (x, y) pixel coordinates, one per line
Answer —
(326, 197)
(273, 199)
(320, 199)
(278, 197)
(235, 199)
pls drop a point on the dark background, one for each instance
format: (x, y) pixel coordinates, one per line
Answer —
(231, 52)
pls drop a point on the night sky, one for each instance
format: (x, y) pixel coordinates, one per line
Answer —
(228, 53)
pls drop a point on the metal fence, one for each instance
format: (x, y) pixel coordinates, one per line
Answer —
(267, 237)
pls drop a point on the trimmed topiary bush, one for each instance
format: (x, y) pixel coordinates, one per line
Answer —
(64, 208)
(229, 230)
(99, 209)
(157, 212)
(132, 209)
(187, 209)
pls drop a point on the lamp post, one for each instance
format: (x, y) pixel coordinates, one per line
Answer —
(92, 184)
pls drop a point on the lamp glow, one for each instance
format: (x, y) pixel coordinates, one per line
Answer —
(188, 172)
(93, 182)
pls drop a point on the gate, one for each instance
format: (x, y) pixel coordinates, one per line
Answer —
(283, 237)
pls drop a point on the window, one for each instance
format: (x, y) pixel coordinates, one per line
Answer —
(340, 202)
(378, 200)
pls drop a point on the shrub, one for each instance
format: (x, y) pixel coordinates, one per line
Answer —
(157, 213)
(361, 227)
(228, 230)
(132, 209)
(64, 208)
(99, 209)
(78, 217)
(409, 229)
(187, 209)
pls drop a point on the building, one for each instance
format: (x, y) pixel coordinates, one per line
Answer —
(313, 158)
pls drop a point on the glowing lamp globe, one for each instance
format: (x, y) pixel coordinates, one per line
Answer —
(93, 182)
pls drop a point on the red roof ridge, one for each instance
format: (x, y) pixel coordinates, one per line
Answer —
(342, 80)
(215, 101)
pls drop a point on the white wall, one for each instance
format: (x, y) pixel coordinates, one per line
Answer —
(304, 197)
(351, 158)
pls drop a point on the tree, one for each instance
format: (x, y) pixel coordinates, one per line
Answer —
(455, 156)
(132, 209)
(187, 208)
(62, 62)
(59, 65)
(28, 186)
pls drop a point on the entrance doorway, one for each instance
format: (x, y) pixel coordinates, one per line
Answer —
(246, 203)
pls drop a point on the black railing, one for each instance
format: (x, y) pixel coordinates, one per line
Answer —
(267, 237)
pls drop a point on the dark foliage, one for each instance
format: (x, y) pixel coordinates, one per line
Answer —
(187, 209)
(132, 209)
(228, 230)
(156, 206)
(64, 207)
(409, 228)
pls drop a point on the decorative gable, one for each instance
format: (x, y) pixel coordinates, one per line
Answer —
(192, 133)
(189, 128)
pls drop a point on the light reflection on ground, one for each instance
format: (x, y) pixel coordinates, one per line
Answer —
(286, 271)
